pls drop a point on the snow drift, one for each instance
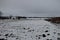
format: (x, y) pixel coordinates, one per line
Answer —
(28, 30)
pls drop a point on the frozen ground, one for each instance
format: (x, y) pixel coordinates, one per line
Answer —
(27, 30)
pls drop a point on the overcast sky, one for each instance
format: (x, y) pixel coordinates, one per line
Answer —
(30, 7)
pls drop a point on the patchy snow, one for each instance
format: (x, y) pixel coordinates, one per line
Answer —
(28, 30)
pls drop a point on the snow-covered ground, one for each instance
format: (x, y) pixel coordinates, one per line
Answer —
(28, 30)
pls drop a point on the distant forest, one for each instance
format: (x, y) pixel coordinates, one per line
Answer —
(50, 19)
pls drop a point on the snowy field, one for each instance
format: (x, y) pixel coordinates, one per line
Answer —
(27, 30)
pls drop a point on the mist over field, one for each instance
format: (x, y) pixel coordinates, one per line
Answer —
(30, 7)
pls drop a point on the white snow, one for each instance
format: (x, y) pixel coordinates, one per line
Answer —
(28, 30)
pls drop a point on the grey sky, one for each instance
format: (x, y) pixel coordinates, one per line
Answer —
(30, 7)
